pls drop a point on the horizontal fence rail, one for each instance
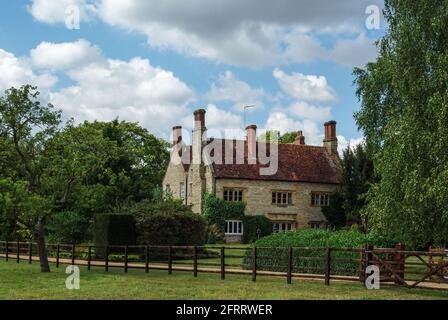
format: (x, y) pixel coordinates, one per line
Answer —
(397, 265)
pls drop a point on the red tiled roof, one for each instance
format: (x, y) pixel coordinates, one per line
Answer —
(297, 163)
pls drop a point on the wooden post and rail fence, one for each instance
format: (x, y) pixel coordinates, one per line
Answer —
(397, 266)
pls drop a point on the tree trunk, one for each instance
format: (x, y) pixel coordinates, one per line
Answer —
(43, 256)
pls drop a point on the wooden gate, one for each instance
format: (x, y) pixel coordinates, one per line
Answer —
(408, 268)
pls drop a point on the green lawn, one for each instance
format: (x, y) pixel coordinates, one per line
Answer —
(22, 281)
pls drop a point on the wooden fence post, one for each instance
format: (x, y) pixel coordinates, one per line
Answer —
(7, 251)
(126, 259)
(289, 273)
(106, 263)
(147, 259)
(327, 266)
(254, 264)
(73, 254)
(89, 258)
(170, 260)
(223, 263)
(58, 251)
(30, 252)
(400, 261)
(18, 252)
(367, 258)
(195, 262)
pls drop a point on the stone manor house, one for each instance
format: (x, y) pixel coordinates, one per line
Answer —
(291, 197)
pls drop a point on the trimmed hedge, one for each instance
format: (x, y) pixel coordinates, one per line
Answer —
(174, 229)
(313, 238)
(113, 229)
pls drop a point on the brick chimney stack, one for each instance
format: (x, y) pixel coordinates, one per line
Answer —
(198, 136)
(331, 140)
(197, 178)
(177, 135)
(251, 144)
(300, 138)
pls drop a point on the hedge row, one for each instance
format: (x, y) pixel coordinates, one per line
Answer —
(312, 238)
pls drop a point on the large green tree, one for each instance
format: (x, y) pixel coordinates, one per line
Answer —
(404, 117)
(25, 127)
(55, 178)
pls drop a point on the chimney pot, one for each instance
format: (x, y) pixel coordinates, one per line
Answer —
(177, 134)
(199, 118)
(300, 139)
(331, 140)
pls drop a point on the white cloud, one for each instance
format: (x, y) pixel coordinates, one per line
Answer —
(305, 87)
(104, 89)
(355, 52)
(18, 71)
(308, 111)
(281, 122)
(240, 93)
(343, 143)
(132, 90)
(51, 11)
(64, 55)
(245, 33)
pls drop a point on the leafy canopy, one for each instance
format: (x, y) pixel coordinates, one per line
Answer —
(404, 117)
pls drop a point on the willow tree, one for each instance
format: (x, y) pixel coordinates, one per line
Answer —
(404, 117)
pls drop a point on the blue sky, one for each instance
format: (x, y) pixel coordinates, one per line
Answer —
(157, 61)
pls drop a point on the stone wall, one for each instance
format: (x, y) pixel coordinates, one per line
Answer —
(258, 198)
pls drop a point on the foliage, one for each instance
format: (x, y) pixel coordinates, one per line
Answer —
(77, 171)
(68, 227)
(288, 137)
(335, 212)
(114, 229)
(404, 115)
(216, 211)
(252, 223)
(357, 177)
(313, 238)
(168, 222)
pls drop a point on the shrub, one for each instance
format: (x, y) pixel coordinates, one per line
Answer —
(113, 229)
(252, 223)
(68, 227)
(168, 222)
(216, 211)
(313, 238)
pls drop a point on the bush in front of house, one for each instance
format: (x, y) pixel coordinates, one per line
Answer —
(276, 248)
(168, 222)
(250, 226)
(216, 211)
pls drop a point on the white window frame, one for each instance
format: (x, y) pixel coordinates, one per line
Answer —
(283, 227)
(234, 223)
